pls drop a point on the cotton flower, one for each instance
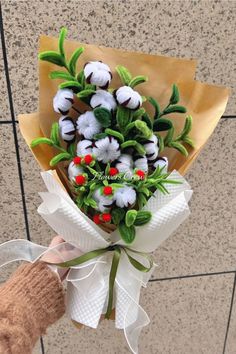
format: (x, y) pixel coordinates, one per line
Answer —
(84, 147)
(151, 148)
(103, 202)
(67, 129)
(63, 101)
(106, 149)
(97, 73)
(128, 98)
(125, 165)
(125, 196)
(74, 170)
(88, 125)
(161, 162)
(141, 163)
(103, 99)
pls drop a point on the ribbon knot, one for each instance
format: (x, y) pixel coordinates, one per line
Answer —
(117, 249)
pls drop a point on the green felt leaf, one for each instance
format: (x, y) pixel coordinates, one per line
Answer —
(187, 126)
(73, 60)
(189, 141)
(72, 149)
(115, 133)
(71, 84)
(100, 136)
(117, 215)
(127, 233)
(161, 142)
(156, 107)
(60, 157)
(139, 113)
(162, 124)
(147, 120)
(54, 136)
(61, 41)
(178, 146)
(142, 217)
(38, 141)
(174, 109)
(128, 143)
(169, 136)
(175, 95)
(52, 57)
(130, 217)
(122, 117)
(142, 200)
(124, 74)
(143, 129)
(61, 75)
(85, 93)
(137, 80)
(103, 116)
(81, 78)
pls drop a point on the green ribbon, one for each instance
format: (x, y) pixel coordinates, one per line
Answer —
(114, 266)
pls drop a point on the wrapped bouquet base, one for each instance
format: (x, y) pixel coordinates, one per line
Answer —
(113, 227)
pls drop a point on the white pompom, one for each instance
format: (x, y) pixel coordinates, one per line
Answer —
(97, 73)
(141, 164)
(63, 101)
(103, 99)
(125, 196)
(125, 165)
(74, 170)
(161, 162)
(106, 149)
(151, 148)
(67, 129)
(128, 97)
(103, 202)
(88, 125)
(84, 147)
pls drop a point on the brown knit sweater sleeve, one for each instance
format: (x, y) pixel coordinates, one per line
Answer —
(30, 301)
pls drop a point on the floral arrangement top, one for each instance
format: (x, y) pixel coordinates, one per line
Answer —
(113, 148)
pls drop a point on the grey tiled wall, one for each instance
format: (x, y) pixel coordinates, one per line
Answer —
(191, 297)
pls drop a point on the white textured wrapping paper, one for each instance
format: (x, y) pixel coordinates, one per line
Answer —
(87, 284)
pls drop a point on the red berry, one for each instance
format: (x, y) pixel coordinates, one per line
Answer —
(107, 190)
(77, 160)
(88, 159)
(80, 180)
(141, 174)
(106, 217)
(96, 219)
(113, 171)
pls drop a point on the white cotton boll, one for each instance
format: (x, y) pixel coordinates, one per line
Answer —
(88, 125)
(103, 202)
(141, 164)
(125, 196)
(125, 165)
(63, 100)
(152, 148)
(128, 97)
(74, 170)
(106, 149)
(161, 162)
(84, 147)
(97, 73)
(67, 129)
(103, 99)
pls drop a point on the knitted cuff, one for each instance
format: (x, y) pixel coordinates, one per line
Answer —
(31, 300)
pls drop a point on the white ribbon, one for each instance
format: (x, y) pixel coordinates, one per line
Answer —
(87, 284)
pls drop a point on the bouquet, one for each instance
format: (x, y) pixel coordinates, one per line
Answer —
(113, 150)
